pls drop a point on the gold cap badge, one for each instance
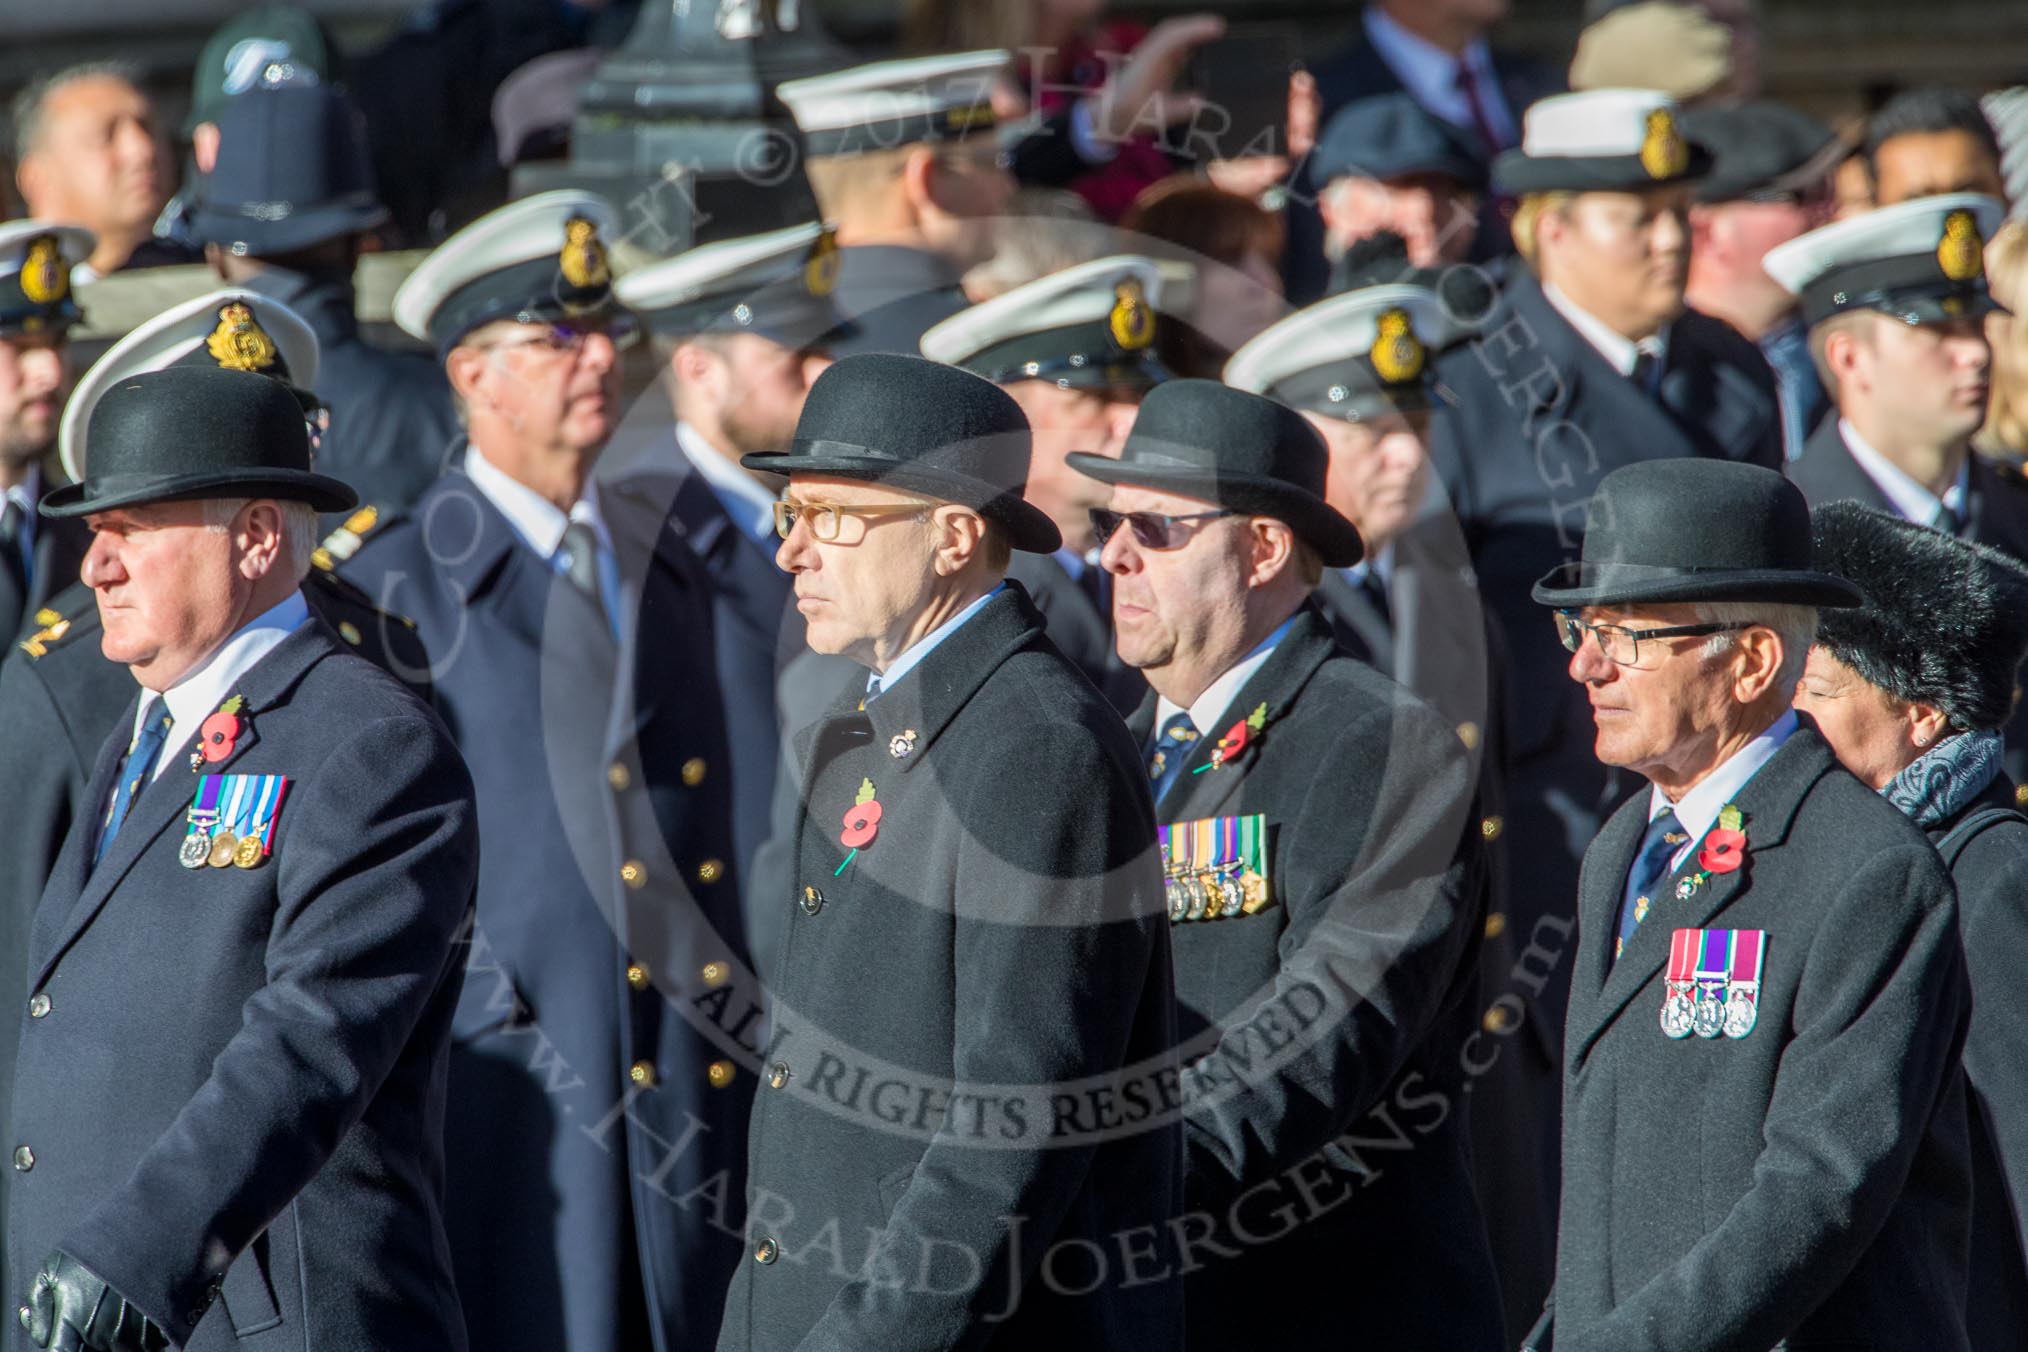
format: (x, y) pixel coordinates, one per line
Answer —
(820, 269)
(44, 278)
(583, 260)
(239, 343)
(1961, 253)
(1133, 323)
(1664, 153)
(1398, 355)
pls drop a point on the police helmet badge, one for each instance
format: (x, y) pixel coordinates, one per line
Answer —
(1398, 355)
(239, 343)
(44, 278)
(820, 269)
(1664, 154)
(1132, 321)
(1961, 251)
(583, 260)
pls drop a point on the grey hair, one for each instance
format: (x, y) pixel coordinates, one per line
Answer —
(29, 104)
(299, 528)
(1795, 626)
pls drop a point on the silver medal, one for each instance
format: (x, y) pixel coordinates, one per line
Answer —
(1676, 1012)
(196, 850)
(1742, 1009)
(1709, 1018)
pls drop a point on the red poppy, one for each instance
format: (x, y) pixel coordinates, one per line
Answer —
(216, 735)
(1234, 741)
(862, 823)
(1723, 852)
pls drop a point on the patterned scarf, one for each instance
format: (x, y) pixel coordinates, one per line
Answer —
(1937, 784)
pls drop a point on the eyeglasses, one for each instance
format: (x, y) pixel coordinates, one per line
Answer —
(825, 518)
(566, 337)
(1152, 530)
(1623, 645)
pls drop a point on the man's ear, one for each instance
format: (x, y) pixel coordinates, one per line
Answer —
(921, 181)
(465, 367)
(261, 526)
(1274, 550)
(31, 176)
(960, 533)
(1757, 657)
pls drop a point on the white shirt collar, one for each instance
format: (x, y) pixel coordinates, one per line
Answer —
(194, 698)
(1619, 351)
(534, 517)
(1700, 807)
(916, 651)
(1910, 498)
(1430, 74)
(1209, 709)
(29, 491)
(750, 506)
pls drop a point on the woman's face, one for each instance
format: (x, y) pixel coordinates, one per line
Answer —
(1868, 729)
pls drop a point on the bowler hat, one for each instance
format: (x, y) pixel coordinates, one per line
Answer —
(1945, 621)
(1239, 450)
(1668, 531)
(923, 427)
(292, 171)
(197, 432)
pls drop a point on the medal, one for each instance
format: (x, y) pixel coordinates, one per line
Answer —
(249, 854)
(202, 816)
(1742, 991)
(223, 846)
(1214, 896)
(1676, 1012)
(1173, 890)
(1216, 868)
(1193, 890)
(196, 849)
(1708, 1018)
(1228, 888)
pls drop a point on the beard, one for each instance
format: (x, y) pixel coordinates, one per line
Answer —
(754, 431)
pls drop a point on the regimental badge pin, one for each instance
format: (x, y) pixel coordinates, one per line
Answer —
(902, 745)
(231, 821)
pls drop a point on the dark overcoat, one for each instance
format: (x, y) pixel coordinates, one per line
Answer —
(232, 1082)
(1080, 626)
(1995, 514)
(1989, 864)
(1335, 1176)
(891, 296)
(598, 1095)
(60, 698)
(1808, 1181)
(968, 1136)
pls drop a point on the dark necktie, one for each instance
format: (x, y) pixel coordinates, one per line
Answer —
(13, 570)
(579, 554)
(1376, 593)
(1647, 371)
(134, 771)
(1468, 85)
(1651, 868)
(1172, 748)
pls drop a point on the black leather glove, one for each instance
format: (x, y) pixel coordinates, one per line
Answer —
(71, 1309)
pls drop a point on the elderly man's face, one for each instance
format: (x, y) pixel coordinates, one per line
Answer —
(34, 376)
(1621, 256)
(1177, 603)
(552, 386)
(1379, 471)
(1660, 716)
(98, 157)
(858, 592)
(1868, 729)
(170, 587)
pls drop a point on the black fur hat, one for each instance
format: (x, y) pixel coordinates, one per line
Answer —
(1946, 620)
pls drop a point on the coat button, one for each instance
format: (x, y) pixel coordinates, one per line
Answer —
(24, 1314)
(1468, 733)
(633, 873)
(778, 1075)
(715, 973)
(349, 632)
(694, 770)
(24, 1158)
(619, 777)
(1491, 827)
(642, 1073)
(710, 871)
(2021, 795)
(1497, 1020)
(637, 976)
(38, 1005)
(1496, 925)
(813, 901)
(720, 1074)
(766, 1251)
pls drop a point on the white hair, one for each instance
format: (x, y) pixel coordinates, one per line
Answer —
(1795, 626)
(299, 529)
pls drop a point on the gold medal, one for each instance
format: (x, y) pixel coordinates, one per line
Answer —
(249, 854)
(223, 846)
(1255, 888)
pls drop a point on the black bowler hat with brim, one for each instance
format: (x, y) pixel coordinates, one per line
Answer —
(1672, 531)
(922, 427)
(1239, 450)
(192, 432)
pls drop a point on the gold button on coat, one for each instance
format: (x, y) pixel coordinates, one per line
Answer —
(719, 1073)
(813, 901)
(632, 873)
(693, 771)
(715, 973)
(766, 1251)
(642, 1073)
(1491, 828)
(778, 1075)
(637, 976)
(710, 871)
(619, 777)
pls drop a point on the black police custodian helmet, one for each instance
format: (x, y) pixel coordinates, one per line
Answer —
(1945, 621)
(197, 432)
(923, 427)
(1668, 531)
(292, 171)
(1239, 450)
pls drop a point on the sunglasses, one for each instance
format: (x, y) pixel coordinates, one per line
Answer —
(1152, 530)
